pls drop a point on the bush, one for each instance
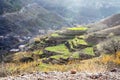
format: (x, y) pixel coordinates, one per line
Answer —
(111, 46)
(26, 59)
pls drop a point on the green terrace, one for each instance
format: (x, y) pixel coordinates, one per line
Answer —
(65, 53)
(55, 35)
(88, 50)
(60, 56)
(77, 42)
(80, 41)
(62, 49)
(38, 52)
(59, 48)
(78, 28)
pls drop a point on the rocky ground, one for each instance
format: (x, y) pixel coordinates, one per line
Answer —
(73, 75)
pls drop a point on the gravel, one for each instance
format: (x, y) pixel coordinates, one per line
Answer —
(66, 76)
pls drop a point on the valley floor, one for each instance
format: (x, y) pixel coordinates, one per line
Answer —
(66, 76)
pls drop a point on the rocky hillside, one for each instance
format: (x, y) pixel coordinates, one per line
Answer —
(27, 18)
(9, 6)
(106, 28)
(106, 23)
(26, 21)
(77, 11)
(63, 14)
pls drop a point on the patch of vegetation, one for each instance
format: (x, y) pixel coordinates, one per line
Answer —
(59, 48)
(37, 40)
(111, 46)
(38, 52)
(81, 41)
(75, 55)
(19, 55)
(43, 66)
(65, 56)
(60, 56)
(87, 65)
(81, 37)
(77, 41)
(55, 35)
(71, 45)
(78, 28)
(111, 58)
(88, 50)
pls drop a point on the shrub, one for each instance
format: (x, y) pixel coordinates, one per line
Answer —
(26, 59)
(111, 46)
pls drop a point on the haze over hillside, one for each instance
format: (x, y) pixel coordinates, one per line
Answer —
(59, 13)
(23, 19)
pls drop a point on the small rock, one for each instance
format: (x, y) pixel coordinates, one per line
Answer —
(46, 72)
(22, 74)
(95, 76)
(73, 71)
(113, 70)
(40, 79)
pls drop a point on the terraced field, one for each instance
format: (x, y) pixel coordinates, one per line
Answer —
(68, 43)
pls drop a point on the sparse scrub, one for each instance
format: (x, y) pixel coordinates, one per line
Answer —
(112, 46)
(110, 58)
(92, 65)
(37, 40)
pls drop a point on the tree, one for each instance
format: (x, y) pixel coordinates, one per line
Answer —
(111, 46)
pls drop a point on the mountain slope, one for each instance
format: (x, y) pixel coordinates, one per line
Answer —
(30, 19)
(112, 20)
(104, 29)
(108, 22)
(61, 12)
(81, 11)
(10, 6)
(115, 30)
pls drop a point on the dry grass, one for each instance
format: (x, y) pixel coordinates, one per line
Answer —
(80, 66)
(111, 58)
(20, 68)
(92, 65)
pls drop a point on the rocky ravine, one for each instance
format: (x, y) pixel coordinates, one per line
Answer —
(113, 75)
